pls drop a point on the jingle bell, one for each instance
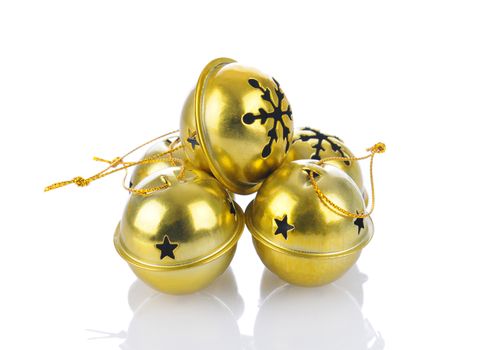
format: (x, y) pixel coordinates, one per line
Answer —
(296, 235)
(158, 150)
(309, 143)
(236, 124)
(180, 238)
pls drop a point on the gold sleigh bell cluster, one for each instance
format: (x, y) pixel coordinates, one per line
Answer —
(179, 230)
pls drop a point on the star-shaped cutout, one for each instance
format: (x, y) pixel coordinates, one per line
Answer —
(283, 227)
(232, 207)
(359, 222)
(311, 172)
(167, 248)
(192, 139)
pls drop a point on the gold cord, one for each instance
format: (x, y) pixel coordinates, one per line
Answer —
(377, 148)
(118, 164)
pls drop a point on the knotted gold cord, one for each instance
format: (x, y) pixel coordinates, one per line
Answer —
(118, 164)
(377, 148)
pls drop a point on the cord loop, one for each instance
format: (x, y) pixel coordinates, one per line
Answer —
(118, 164)
(376, 149)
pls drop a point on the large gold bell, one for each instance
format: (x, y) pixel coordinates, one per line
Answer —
(296, 235)
(309, 143)
(236, 124)
(180, 238)
(169, 143)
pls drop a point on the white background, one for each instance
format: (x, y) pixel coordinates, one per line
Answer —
(85, 78)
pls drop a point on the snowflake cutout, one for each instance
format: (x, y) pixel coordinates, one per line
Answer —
(276, 115)
(318, 147)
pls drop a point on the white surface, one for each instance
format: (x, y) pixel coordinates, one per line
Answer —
(86, 78)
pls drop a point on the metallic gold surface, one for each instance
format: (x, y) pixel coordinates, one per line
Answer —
(309, 143)
(178, 240)
(236, 124)
(144, 170)
(296, 236)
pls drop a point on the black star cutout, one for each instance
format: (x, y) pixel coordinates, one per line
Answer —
(283, 227)
(167, 248)
(231, 205)
(192, 139)
(232, 208)
(359, 222)
(309, 172)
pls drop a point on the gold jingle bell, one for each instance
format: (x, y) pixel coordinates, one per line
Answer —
(309, 143)
(296, 235)
(236, 124)
(180, 238)
(158, 150)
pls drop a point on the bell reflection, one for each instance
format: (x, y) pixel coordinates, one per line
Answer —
(328, 317)
(203, 320)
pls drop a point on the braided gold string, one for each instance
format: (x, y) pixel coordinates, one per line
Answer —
(170, 155)
(377, 148)
(158, 157)
(118, 164)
